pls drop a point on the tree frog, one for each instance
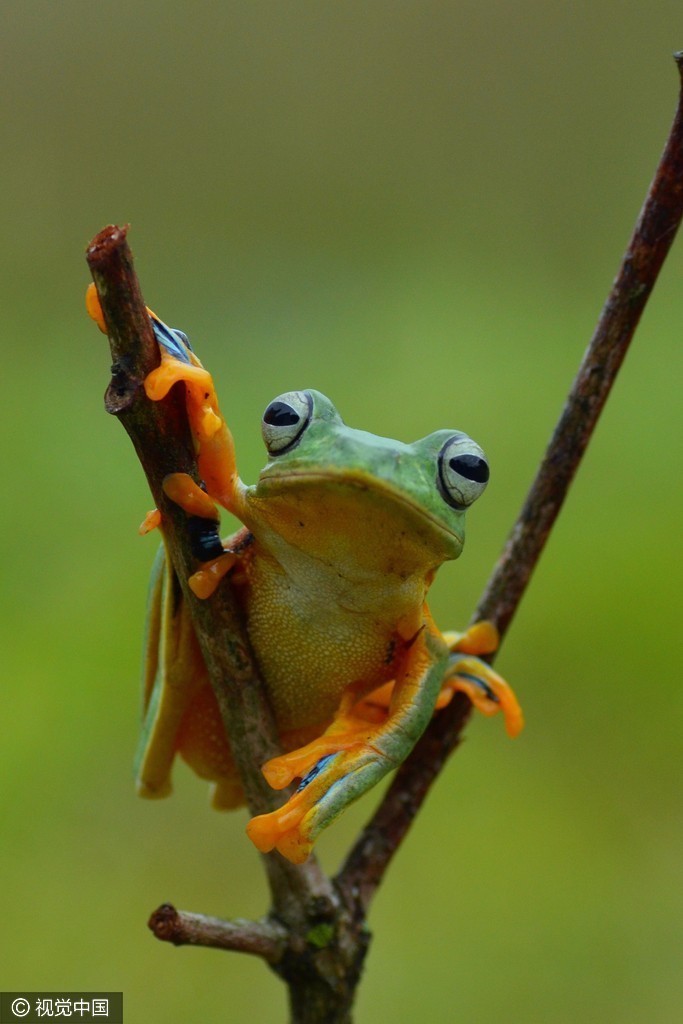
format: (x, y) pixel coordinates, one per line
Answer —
(343, 533)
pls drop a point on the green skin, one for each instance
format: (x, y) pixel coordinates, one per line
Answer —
(404, 473)
(349, 529)
(358, 526)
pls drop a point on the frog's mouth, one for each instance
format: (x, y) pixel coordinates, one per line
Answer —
(344, 486)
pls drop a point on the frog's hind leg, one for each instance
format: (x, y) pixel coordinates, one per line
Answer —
(181, 714)
(171, 676)
(202, 744)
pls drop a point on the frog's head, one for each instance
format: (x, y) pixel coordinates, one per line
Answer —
(326, 483)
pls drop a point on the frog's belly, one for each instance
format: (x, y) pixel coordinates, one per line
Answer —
(309, 652)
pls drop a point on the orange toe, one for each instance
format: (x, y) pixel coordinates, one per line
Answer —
(93, 307)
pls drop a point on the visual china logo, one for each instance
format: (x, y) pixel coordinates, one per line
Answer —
(86, 1007)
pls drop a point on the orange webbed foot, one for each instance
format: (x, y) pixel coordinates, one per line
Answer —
(487, 691)
(330, 784)
(480, 638)
(346, 733)
(485, 688)
(204, 582)
(334, 769)
(281, 830)
(181, 488)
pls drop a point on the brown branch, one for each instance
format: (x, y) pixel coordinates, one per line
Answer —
(260, 938)
(318, 944)
(162, 441)
(160, 434)
(650, 242)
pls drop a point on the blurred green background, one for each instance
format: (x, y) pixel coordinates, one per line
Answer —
(417, 208)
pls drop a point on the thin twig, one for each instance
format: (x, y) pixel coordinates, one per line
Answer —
(260, 938)
(652, 237)
(650, 242)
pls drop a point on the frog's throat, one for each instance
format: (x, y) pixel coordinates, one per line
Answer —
(290, 478)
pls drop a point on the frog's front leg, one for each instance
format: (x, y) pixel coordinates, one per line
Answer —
(215, 461)
(216, 558)
(467, 673)
(352, 754)
(213, 441)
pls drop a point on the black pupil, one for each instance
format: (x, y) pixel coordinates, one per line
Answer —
(471, 467)
(279, 414)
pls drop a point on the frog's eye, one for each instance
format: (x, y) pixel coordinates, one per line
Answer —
(285, 420)
(463, 471)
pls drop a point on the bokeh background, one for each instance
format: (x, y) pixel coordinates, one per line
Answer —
(418, 209)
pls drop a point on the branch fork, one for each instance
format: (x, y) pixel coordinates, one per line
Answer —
(315, 936)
